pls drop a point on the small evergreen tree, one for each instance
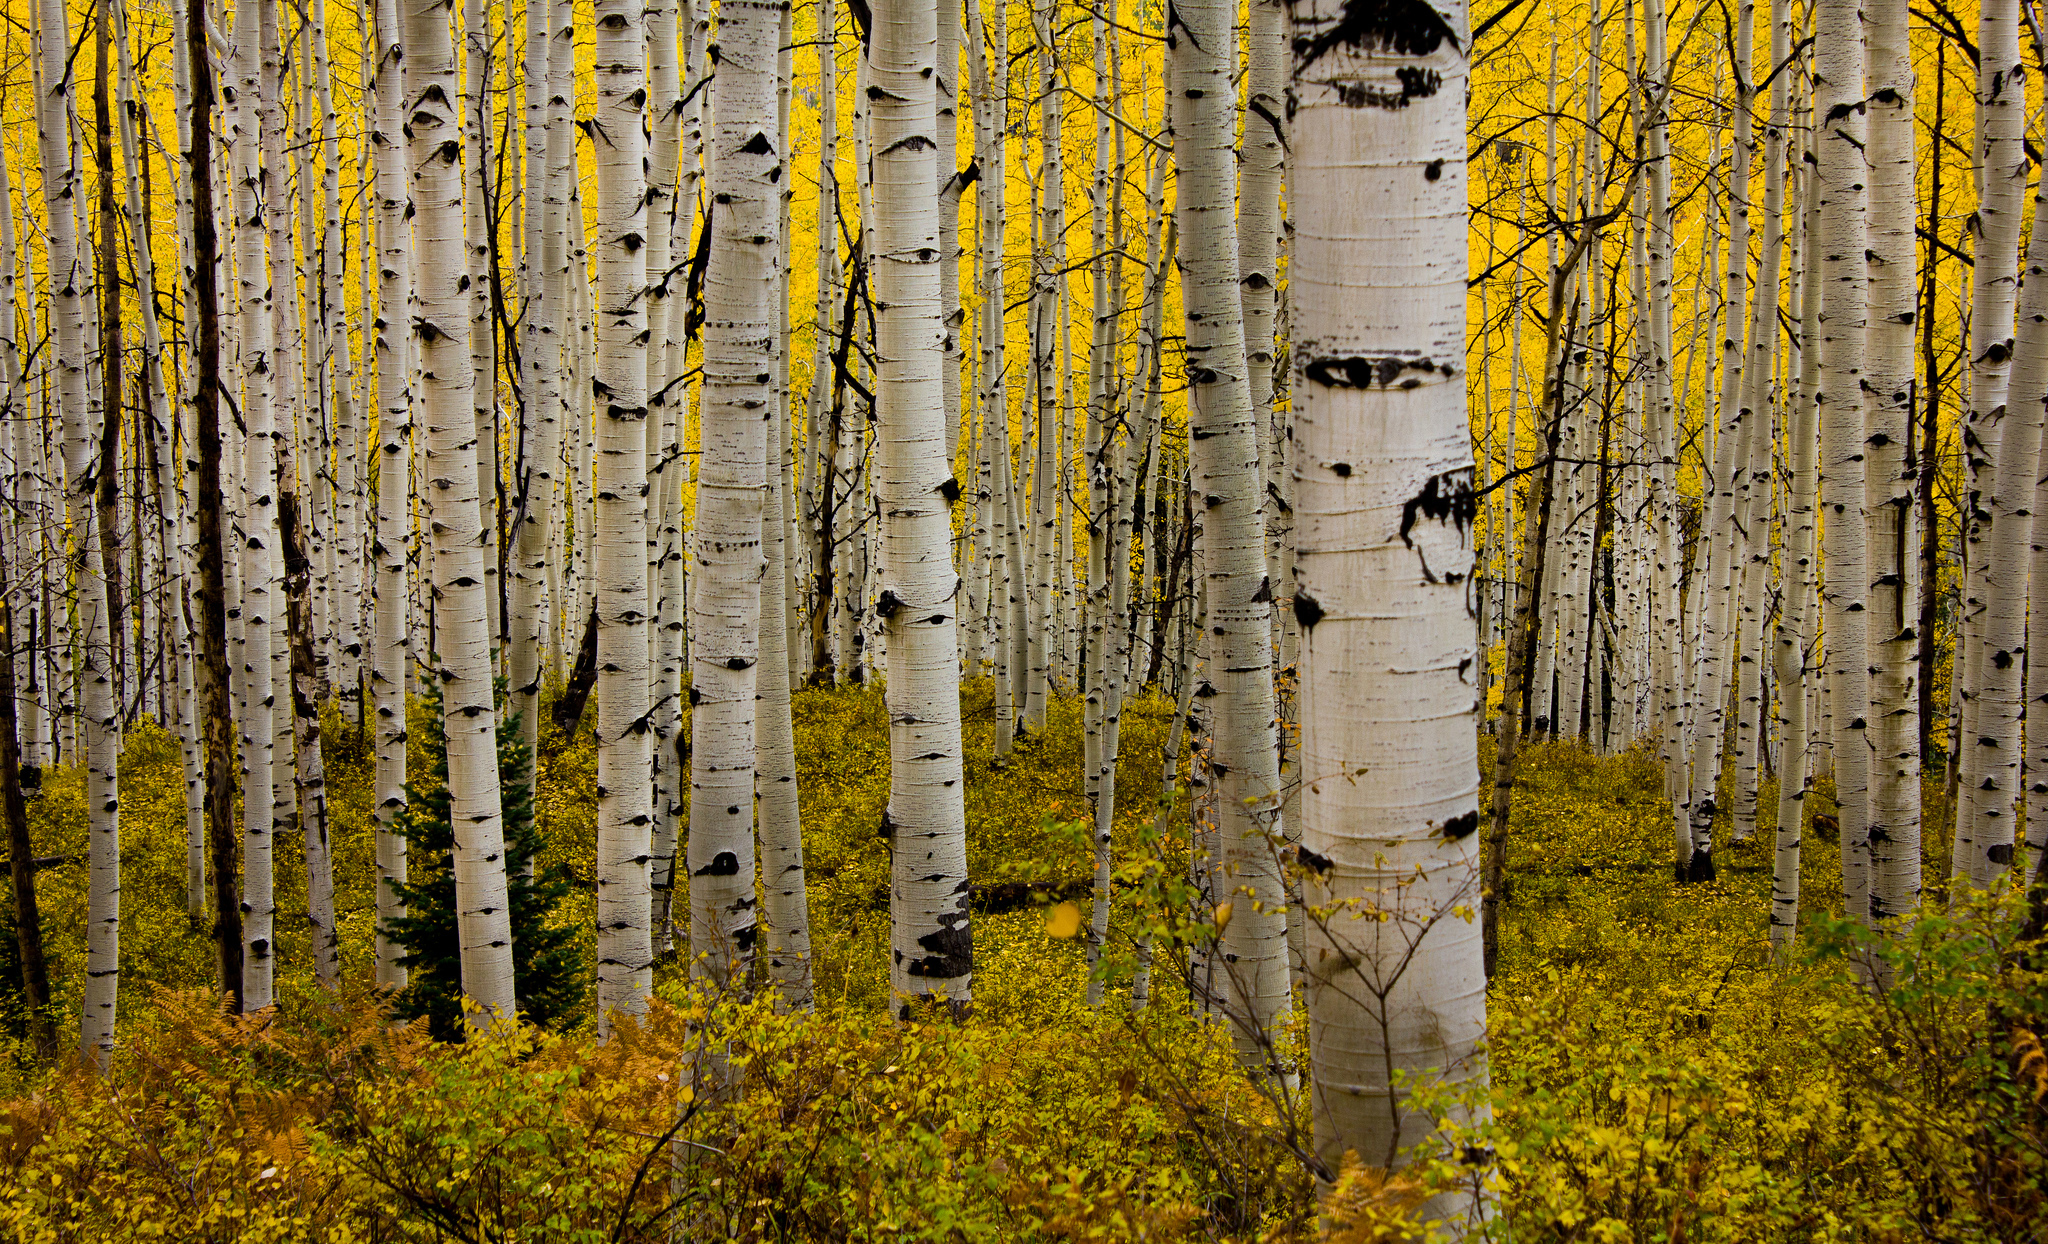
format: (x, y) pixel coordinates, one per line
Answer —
(545, 964)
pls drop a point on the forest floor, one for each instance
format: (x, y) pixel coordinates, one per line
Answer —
(1656, 1073)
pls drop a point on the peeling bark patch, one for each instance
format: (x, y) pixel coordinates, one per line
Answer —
(1459, 827)
(949, 953)
(724, 864)
(1357, 372)
(1406, 27)
(1416, 83)
(1445, 496)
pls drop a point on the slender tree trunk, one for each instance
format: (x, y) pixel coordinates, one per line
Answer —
(619, 521)
(1992, 619)
(932, 946)
(391, 661)
(70, 268)
(1842, 173)
(1224, 436)
(1795, 637)
(462, 657)
(1893, 827)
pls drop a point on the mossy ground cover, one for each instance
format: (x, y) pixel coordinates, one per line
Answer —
(1656, 1074)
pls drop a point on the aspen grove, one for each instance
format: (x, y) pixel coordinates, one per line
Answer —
(1023, 619)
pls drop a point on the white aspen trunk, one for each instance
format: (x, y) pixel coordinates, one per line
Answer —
(726, 614)
(1660, 416)
(253, 77)
(1843, 170)
(667, 399)
(1794, 637)
(1042, 576)
(1224, 435)
(346, 543)
(462, 657)
(1761, 356)
(1990, 615)
(785, 903)
(71, 281)
(619, 519)
(287, 411)
(1386, 505)
(953, 316)
(1720, 548)
(479, 236)
(550, 156)
(991, 116)
(932, 948)
(2008, 627)
(1892, 609)
(786, 480)
(391, 650)
(1098, 439)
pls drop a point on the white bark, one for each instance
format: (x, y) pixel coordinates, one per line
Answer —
(1384, 595)
(619, 520)
(392, 647)
(462, 660)
(931, 944)
(69, 267)
(1224, 434)
(1842, 173)
(252, 79)
(740, 345)
(1990, 614)
(1892, 610)
(1794, 637)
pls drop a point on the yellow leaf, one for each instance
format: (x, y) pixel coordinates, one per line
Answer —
(1063, 921)
(1223, 911)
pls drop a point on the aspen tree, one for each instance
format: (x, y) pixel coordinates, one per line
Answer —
(1720, 548)
(667, 403)
(99, 726)
(551, 157)
(1892, 723)
(259, 521)
(619, 517)
(2009, 630)
(1991, 617)
(2029, 387)
(785, 900)
(479, 229)
(1761, 354)
(990, 91)
(348, 590)
(1223, 455)
(461, 652)
(727, 620)
(1661, 417)
(1842, 170)
(1384, 516)
(932, 948)
(1794, 637)
(391, 650)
